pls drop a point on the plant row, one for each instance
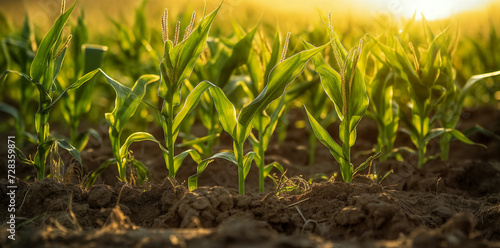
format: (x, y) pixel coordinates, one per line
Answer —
(244, 87)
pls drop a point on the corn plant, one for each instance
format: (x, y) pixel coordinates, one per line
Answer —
(347, 90)
(240, 126)
(480, 54)
(421, 77)
(265, 125)
(126, 103)
(19, 50)
(383, 108)
(260, 64)
(179, 59)
(320, 109)
(43, 73)
(133, 44)
(76, 103)
(448, 112)
(229, 56)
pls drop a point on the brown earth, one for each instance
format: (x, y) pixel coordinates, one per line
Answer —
(447, 204)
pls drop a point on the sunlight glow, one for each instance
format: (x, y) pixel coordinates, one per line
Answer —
(434, 10)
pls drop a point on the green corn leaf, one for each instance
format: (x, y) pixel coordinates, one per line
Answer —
(6, 108)
(226, 111)
(255, 145)
(367, 162)
(273, 122)
(354, 92)
(229, 156)
(386, 175)
(4, 74)
(275, 56)
(295, 91)
(381, 92)
(239, 31)
(80, 37)
(269, 167)
(255, 71)
(280, 77)
(432, 157)
(83, 138)
(72, 150)
(457, 134)
(184, 55)
(58, 61)
(325, 138)
(199, 140)
(98, 171)
(407, 123)
(353, 99)
(181, 156)
(247, 162)
(85, 78)
(405, 149)
(472, 81)
(22, 158)
(93, 57)
(127, 100)
(433, 62)
(47, 51)
(193, 180)
(191, 102)
(239, 56)
(440, 92)
(32, 138)
(142, 171)
(137, 137)
(396, 56)
(480, 129)
(233, 85)
(330, 80)
(261, 121)
(42, 152)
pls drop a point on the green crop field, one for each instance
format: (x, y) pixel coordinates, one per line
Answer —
(250, 123)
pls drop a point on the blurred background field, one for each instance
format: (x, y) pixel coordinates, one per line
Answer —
(115, 24)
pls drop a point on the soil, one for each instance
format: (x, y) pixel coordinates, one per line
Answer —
(455, 203)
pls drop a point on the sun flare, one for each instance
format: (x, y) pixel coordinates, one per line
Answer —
(434, 10)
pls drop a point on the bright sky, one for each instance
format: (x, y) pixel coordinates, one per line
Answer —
(432, 9)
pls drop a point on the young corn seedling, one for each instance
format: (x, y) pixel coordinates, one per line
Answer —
(229, 56)
(75, 104)
(317, 101)
(347, 90)
(483, 55)
(448, 112)
(383, 109)
(261, 63)
(263, 123)
(240, 126)
(421, 76)
(134, 45)
(126, 103)
(178, 61)
(43, 73)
